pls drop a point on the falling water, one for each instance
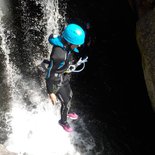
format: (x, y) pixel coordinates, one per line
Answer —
(6, 51)
(33, 120)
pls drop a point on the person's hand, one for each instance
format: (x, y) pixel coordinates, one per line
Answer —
(53, 98)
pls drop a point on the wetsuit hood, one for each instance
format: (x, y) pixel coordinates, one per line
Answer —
(57, 42)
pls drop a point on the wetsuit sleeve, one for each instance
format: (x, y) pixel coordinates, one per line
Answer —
(57, 57)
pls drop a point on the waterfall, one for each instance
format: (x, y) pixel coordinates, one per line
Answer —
(32, 119)
(5, 51)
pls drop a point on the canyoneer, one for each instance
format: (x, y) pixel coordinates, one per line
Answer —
(60, 67)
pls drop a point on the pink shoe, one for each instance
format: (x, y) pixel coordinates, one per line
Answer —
(66, 126)
(73, 116)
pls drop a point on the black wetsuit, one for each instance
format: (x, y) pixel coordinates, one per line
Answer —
(57, 81)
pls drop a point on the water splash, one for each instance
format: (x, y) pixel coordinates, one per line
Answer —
(35, 127)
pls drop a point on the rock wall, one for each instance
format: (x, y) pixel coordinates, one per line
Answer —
(145, 35)
(146, 42)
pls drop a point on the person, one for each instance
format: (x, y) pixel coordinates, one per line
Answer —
(60, 68)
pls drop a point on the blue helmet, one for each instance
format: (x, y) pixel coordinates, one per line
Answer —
(74, 34)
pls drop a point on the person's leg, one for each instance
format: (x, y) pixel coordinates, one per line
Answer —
(65, 95)
(64, 111)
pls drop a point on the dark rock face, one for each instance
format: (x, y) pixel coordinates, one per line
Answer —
(146, 42)
(145, 26)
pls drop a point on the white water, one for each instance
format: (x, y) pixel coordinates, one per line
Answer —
(6, 51)
(34, 128)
